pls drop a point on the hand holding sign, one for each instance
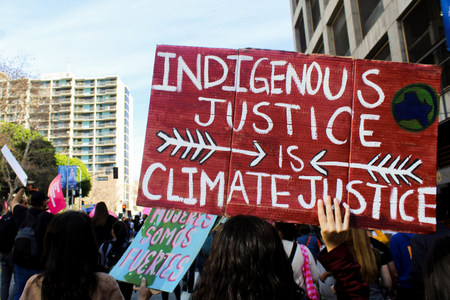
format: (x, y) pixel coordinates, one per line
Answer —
(334, 231)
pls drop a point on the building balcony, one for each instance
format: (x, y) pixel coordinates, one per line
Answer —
(80, 134)
(62, 117)
(60, 126)
(82, 109)
(81, 100)
(110, 124)
(83, 83)
(101, 151)
(103, 108)
(105, 160)
(110, 116)
(81, 143)
(106, 82)
(82, 92)
(107, 142)
(106, 91)
(80, 126)
(64, 84)
(62, 92)
(79, 117)
(59, 135)
(106, 133)
(83, 152)
(104, 99)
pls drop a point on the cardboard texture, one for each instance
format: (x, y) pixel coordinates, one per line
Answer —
(268, 133)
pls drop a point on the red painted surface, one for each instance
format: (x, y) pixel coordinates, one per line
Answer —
(285, 109)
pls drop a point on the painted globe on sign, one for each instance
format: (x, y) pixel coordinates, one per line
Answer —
(415, 107)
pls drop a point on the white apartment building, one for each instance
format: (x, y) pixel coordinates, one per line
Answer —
(91, 119)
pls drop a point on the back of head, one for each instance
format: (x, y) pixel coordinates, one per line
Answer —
(120, 231)
(101, 212)
(70, 257)
(436, 270)
(359, 244)
(305, 229)
(38, 198)
(288, 230)
(247, 262)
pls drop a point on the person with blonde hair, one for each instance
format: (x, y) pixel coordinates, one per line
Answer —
(374, 270)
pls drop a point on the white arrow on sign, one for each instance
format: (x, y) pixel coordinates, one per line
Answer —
(383, 171)
(201, 146)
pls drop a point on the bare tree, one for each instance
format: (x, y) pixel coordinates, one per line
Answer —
(24, 102)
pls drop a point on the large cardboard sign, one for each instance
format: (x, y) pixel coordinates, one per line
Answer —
(164, 248)
(268, 133)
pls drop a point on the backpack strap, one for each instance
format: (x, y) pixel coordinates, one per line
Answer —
(307, 243)
(294, 248)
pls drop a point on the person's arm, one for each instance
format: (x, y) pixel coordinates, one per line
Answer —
(325, 275)
(18, 197)
(338, 258)
(386, 280)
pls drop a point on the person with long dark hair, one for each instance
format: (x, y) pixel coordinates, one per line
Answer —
(71, 264)
(248, 261)
(103, 222)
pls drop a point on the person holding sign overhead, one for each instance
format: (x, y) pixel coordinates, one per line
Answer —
(248, 260)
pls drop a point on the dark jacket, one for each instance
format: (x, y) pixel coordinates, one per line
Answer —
(420, 245)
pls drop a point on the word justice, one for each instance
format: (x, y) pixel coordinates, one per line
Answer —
(396, 201)
(289, 108)
(312, 73)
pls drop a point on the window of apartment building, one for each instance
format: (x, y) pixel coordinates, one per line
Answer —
(369, 12)
(340, 35)
(384, 53)
(440, 56)
(300, 34)
(381, 50)
(319, 46)
(315, 13)
(422, 28)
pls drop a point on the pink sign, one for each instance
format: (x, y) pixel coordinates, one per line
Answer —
(92, 213)
(56, 196)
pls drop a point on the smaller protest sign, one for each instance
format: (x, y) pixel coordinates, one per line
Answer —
(56, 196)
(15, 165)
(164, 248)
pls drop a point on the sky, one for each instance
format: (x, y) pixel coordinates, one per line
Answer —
(101, 38)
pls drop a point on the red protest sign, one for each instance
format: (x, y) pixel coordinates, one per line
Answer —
(268, 133)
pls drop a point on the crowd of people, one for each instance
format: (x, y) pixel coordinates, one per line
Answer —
(69, 255)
